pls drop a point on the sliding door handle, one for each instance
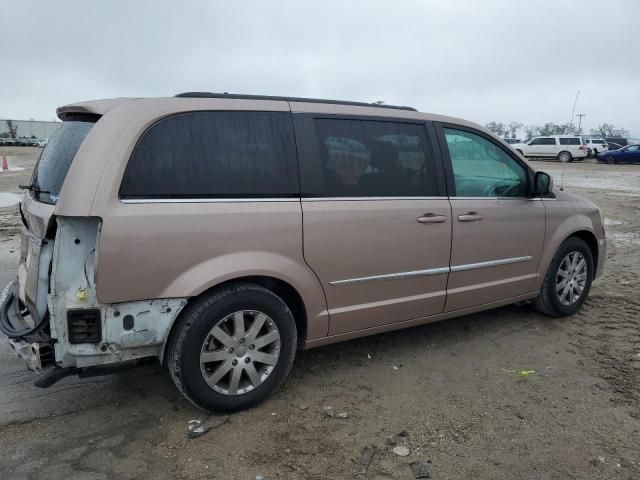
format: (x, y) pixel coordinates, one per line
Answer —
(432, 218)
(470, 217)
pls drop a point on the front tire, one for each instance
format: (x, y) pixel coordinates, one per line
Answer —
(567, 283)
(609, 159)
(232, 348)
(565, 157)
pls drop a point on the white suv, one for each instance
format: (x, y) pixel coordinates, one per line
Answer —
(563, 147)
(596, 145)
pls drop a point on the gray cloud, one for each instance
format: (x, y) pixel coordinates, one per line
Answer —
(494, 60)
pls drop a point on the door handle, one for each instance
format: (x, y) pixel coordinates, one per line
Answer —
(432, 218)
(470, 217)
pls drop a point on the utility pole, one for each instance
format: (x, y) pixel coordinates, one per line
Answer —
(580, 115)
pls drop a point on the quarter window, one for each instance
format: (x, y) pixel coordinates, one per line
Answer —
(482, 169)
(215, 154)
(366, 158)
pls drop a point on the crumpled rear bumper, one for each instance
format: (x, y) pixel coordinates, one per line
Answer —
(12, 323)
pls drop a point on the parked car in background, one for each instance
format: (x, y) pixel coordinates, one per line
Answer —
(512, 141)
(230, 182)
(628, 154)
(565, 148)
(595, 146)
(41, 142)
(614, 146)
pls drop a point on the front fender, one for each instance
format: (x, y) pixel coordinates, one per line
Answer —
(559, 228)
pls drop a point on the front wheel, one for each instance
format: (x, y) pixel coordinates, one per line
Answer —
(565, 157)
(568, 280)
(609, 159)
(232, 348)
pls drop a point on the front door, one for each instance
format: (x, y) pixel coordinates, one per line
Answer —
(377, 226)
(498, 230)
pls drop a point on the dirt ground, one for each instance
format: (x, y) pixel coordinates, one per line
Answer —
(448, 391)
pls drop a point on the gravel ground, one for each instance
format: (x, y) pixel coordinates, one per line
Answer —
(450, 392)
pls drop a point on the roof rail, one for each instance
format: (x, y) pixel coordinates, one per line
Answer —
(237, 96)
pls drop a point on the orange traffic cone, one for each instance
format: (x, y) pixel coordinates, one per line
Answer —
(5, 163)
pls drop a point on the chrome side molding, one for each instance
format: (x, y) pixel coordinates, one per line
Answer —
(429, 271)
(490, 263)
(390, 276)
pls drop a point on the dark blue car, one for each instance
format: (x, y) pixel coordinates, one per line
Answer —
(628, 154)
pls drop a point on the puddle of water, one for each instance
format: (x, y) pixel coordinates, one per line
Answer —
(611, 181)
(630, 238)
(8, 199)
(611, 222)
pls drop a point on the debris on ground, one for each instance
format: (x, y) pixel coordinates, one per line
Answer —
(330, 413)
(367, 456)
(403, 433)
(197, 428)
(301, 406)
(420, 470)
(401, 451)
(525, 373)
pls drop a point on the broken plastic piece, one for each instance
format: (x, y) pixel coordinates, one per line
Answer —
(525, 373)
(367, 455)
(419, 470)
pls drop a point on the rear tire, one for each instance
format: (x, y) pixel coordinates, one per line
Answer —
(565, 157)
(218, 361)
(568, 280)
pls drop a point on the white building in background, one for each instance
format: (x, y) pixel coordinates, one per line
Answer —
(31, 128)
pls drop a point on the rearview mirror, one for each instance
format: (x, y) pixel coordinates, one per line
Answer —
(542, 184)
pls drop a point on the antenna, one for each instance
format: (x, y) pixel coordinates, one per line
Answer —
(564, 167)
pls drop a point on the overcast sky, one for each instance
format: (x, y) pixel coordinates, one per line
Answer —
(480, 60)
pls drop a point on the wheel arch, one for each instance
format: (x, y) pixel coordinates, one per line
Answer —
(590, 239)
(581, 231)
(284, 290)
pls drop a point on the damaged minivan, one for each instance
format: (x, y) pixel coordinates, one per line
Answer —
(219, 234)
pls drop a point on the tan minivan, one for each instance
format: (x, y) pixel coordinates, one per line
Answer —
(221, 233)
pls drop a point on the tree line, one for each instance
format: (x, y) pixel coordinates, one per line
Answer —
(511, 129)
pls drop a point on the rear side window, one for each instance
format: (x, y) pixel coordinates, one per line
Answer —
(367, 158)
(215, 155)
(56, 158)
(570, 141)
(543, 141)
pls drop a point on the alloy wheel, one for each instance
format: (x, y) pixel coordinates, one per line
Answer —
(571, 278)
(240, 352)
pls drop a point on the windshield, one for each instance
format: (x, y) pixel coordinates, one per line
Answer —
(56, 158)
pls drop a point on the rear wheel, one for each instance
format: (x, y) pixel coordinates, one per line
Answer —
(565, 157)
(568, 280)
(232, 348)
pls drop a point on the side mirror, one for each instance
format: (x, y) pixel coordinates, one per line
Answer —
(542, 184)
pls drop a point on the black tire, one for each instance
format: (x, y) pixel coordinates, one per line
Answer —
(519, 151)
(565, 156)
(195, 324)
(609, 159)
(548, 301)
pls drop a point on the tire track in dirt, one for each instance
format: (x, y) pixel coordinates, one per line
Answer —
(608, 333)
